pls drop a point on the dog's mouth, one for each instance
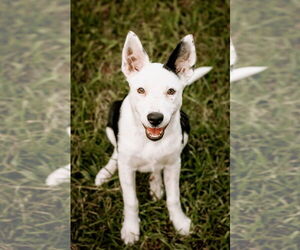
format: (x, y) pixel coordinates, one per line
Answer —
(154, 134)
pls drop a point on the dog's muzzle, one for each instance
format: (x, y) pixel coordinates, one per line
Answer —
(155, 133)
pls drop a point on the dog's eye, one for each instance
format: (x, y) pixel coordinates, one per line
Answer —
(171, 91)
(141, 90)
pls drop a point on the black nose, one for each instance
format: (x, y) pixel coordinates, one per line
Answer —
(155, 118)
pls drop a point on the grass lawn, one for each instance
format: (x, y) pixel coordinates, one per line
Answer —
(264, 164)
(99, 29)
(34, 115)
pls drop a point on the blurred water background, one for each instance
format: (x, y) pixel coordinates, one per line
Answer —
(34, 115)
(265, 130)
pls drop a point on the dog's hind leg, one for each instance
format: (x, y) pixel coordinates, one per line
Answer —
(107, 172)
(156, 185)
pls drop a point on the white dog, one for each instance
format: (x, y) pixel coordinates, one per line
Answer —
(149, 131)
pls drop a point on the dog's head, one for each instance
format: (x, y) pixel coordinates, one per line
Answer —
(156, 89)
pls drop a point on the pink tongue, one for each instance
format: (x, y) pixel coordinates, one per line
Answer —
(154, 131)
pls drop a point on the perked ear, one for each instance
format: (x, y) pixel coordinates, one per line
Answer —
(183, 58)
(134, 57)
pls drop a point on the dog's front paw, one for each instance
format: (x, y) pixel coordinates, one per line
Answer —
(182, 224)
(130, 231)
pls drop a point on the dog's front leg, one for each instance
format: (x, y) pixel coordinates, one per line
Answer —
(130, 229)
(171, 179)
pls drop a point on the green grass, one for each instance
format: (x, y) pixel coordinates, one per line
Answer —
(265, 127)
(98, 33)
(34, 114)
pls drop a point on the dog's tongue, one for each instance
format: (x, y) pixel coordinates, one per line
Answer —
(154, 131)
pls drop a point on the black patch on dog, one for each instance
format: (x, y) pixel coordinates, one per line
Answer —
(114, 117)
(184, 123)
(171, 63)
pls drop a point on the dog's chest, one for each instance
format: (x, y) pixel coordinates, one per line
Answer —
(154, 156)
(148, 156)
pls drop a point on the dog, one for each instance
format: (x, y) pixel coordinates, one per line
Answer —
(149, 130)
(237, 74)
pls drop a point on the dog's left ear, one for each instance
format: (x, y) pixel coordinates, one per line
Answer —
(134, 57)
(183, 58)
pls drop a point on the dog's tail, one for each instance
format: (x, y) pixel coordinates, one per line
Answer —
(198, 73)
(107, 172)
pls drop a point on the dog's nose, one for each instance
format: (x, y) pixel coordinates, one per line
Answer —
(155, 118)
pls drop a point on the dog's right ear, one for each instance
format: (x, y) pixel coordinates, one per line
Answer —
(134, 57)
